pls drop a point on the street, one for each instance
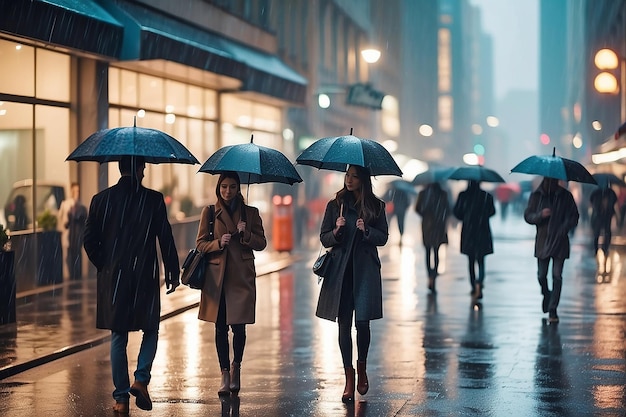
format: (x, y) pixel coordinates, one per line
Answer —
(431, 355)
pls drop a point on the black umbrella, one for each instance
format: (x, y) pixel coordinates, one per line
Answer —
(436, 174)
(476, 173)
(606, 179)
(153, 145)
(255, 164)
(554, 167)
(336, 153)
(404, 186)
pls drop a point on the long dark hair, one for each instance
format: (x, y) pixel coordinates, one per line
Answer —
(233, 175)
(367, 204)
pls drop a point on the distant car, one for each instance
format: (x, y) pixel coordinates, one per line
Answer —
(18, 209)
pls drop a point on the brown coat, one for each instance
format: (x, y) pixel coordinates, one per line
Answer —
(230, 269)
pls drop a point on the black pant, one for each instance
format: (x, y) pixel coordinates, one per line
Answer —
(346, 308)
(473, 260)
(221, 337)
(557, 279)
(432, 267)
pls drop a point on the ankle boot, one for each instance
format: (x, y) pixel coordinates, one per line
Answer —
(235, 377)
(348, 391)
(363, 384)
(225, 385)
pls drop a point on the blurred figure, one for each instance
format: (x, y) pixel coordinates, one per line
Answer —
(552, 209)
(474, 207)
(432, 204)
(400, 201)
(71, 221)
(603, 201)
(19, 212)
(621, 201)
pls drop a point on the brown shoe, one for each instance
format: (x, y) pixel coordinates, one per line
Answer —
(140, 390)
(121, 408)
(348, 392)
(362, 385)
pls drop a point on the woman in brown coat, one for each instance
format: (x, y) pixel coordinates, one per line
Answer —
(228, 297)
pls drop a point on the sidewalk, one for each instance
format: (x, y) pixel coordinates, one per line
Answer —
(58, 320)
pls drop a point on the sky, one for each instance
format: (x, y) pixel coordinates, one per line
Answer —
(514, 27)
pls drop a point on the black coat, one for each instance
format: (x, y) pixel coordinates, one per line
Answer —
(432, 204)
(361, 249)
(474, 207)
(121, 231)
(552, 239)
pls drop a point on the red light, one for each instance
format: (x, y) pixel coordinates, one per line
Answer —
(287, 200)
(545, 139)
(168, 199)
(276, 200)
(481, 160)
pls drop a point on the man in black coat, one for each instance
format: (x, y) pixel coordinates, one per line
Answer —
(121, 230)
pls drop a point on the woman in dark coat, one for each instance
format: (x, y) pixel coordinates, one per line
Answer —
(552, 209)
(432, 204)
(354, 224)
(228, 297)
(122, 227)
(474, 207)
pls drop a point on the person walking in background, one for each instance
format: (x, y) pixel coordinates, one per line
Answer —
(71, 220)
(228, 297)
(603, 201)
(122, 227)
(399, 200)
(432, 204)
(552, 209)
(20, 221)
(354, 225)
(473, 208)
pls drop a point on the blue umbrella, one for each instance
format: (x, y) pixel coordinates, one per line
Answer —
(153, 145)
(555, 167)
(255, 164)
(436, 174)
(336, 153)
(476, 173)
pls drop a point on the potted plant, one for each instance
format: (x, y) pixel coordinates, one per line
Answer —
(7, 279)
(50, 269)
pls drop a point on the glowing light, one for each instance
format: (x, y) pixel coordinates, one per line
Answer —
(545, 139)
(606, 83)
(606, 59)
(425, 130)
(288, 134)
(477, 129)
(370, 55)
(479, 149)
(577, 141)
(596, 125)
(323, 101)
(493, 121)
(141, 113)
(471, 159)
(170, 118)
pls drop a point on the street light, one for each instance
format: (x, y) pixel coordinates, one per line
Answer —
(605, 82)
(370, 55)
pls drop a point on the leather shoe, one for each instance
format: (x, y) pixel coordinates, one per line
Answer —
(121, 408)
(140, 390)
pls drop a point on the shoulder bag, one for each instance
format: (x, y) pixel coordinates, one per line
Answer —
(321, 266)
(194, 267)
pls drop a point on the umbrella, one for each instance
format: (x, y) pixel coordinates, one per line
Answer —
(402, 185)
(476, 173)
(153, 145)
(554, 167)
(431, 175)
(605, 180)
(255, 164)
(336, 153)
(505, 192)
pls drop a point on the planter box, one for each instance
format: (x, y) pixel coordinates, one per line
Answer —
(7, 287)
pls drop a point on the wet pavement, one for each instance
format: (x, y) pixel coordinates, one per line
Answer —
(432, 355)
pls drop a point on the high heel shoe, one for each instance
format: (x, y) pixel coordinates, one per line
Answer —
(235, 377)
(348, 391)
(363, 384)
(225, 385)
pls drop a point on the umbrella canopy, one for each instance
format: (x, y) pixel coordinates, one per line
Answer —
(605, 180)
(336, 153)
(431, 175)
(476, 173)
(153, 145)
(554, 167)
(505, 192)
(402, 185)
(255, 164)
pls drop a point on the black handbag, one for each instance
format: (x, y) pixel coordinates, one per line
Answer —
(194, 267)
(321, 266)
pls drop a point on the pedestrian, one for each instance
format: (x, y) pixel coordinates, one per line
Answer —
(602, 201)
(473, 208)
(71, 219)
(552, 209)
(432, 204)
(20, 221)
(399, 200)
(621, 201)
(121, 231)
(228, 297)
(354, 224)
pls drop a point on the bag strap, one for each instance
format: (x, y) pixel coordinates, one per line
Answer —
(211, 221)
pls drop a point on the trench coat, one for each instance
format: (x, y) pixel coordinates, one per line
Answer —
(360, 249)
(230, 269)
(552, 238)
(121, 231)
(474, 207)
(432, 204)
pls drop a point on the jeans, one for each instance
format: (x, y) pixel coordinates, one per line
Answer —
(557, 279)
(119, 361)
(473, 260)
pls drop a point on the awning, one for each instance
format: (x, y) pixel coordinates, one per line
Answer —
(76, 24)
(153, 35)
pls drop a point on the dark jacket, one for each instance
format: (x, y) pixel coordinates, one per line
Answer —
(603, 202)
(361, 250)
(230, 269)
(552, 238)
(474, 207)
(432, 204)
(121, 230)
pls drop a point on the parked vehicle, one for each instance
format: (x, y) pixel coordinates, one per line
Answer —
(18, 209)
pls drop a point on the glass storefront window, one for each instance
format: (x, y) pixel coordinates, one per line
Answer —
(53, 76)
(175, 97)
(194, 102)
(151, 92)
(210, 104)
(51, 124)
(128, 88)
(17, 66)
(114, 85)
